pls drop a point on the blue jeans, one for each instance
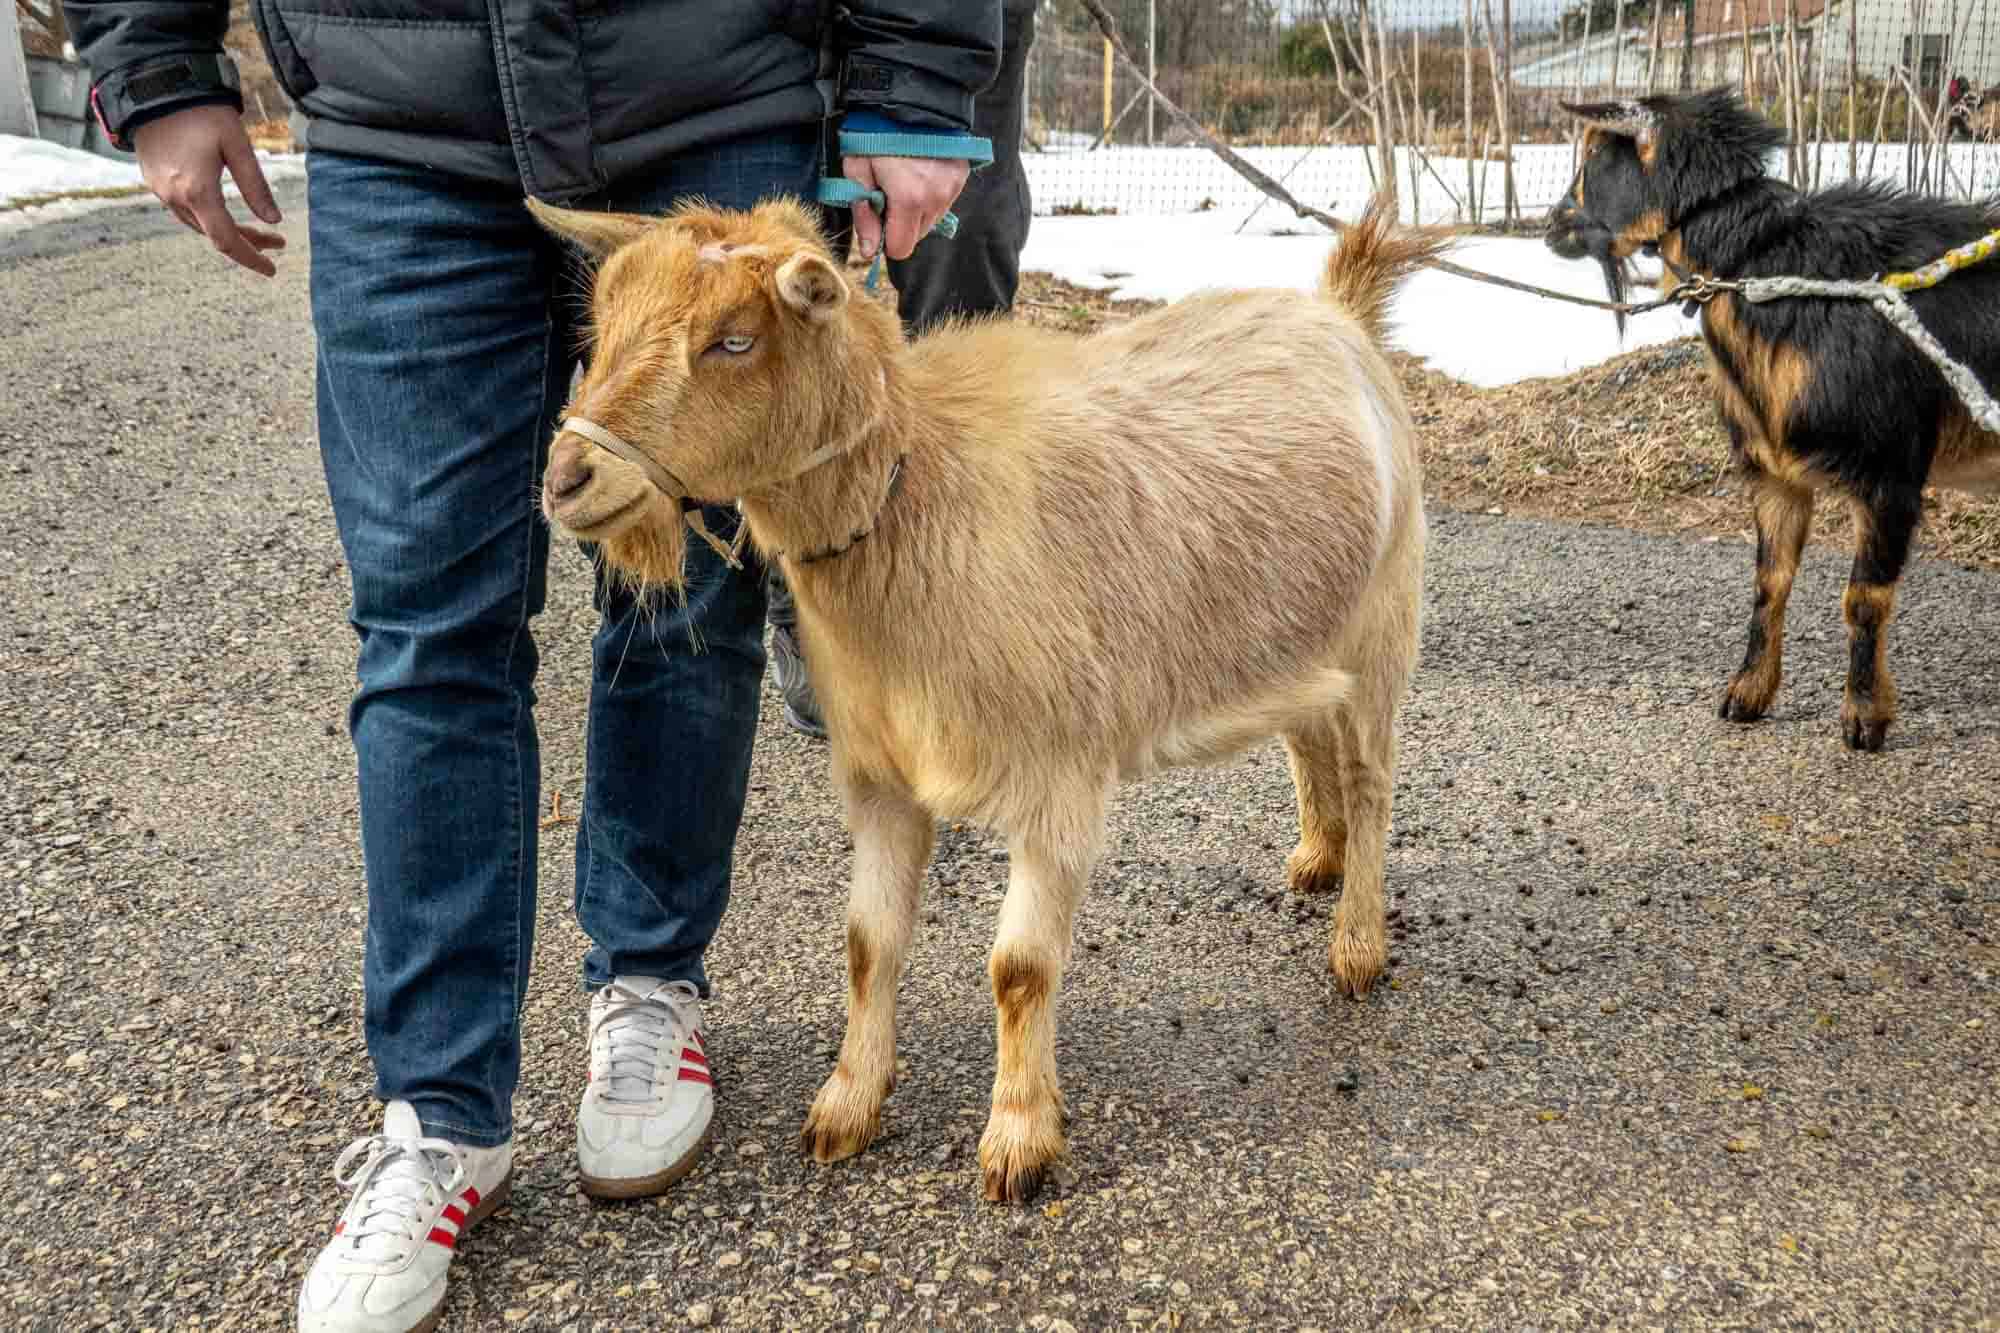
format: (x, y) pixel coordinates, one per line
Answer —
(447, 326)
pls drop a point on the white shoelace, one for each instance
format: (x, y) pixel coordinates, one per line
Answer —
(637, 1025)
(402, 1184)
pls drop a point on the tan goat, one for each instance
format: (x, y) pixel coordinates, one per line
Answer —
(1029, 566)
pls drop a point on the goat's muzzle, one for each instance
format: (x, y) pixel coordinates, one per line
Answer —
(568, 473)
(1573, 235)
(588, 501)
(1564, 232)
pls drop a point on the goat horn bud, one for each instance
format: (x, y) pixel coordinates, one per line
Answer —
(1630, 118)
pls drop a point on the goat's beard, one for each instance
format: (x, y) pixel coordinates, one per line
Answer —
(649, 556)
(1617, 279)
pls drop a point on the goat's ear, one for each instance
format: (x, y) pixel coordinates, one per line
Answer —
(596, 234)
(810, 284)
(1630, 118)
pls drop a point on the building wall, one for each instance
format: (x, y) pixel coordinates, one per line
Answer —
(1882, 32)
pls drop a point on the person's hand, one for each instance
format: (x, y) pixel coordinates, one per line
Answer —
(920, 190)
(181, 157)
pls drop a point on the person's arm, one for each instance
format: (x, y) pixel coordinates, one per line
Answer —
(912, 66)
(162, 87)
(919, 62)
(149, 58)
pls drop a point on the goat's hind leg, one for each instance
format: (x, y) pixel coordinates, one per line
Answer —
(1319, 861)
(1049, 868)
(893, 839)
(1884, 526)
(1359, 948)
(1343, 767)
(1344, 770)
(1784, 516)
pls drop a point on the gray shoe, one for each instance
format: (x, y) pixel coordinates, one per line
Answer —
(788, 663)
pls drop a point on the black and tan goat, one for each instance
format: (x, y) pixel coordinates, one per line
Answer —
(1816, 392)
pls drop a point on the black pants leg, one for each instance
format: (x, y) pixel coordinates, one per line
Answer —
(976, 272)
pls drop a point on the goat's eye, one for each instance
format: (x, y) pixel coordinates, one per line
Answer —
(737, 343)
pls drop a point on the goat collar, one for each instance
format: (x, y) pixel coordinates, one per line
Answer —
(859, 534)
(667, 484)
(1703, 282)
(1691, 306)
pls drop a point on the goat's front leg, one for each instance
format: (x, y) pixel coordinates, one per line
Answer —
(1884, 526)
(1784, 516)
(1048, 872)
(893, 838)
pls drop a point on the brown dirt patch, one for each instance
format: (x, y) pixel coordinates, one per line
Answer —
(1633, 442)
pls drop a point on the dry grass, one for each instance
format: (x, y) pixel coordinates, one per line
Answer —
(1634, 442)
(22, 201)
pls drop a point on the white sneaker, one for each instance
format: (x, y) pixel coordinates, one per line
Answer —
(650, 1103)
(384, 1269)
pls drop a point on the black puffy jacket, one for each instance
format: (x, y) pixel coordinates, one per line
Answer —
(556, 97)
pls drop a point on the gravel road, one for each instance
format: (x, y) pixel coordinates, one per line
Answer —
(1690, 1025)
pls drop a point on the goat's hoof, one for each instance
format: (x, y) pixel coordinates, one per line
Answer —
(1013, 1184)
(1739, 706)
(1866, 733)
(841, 1122)
(1355, 964)
(1017, 1150)
(1316, 870)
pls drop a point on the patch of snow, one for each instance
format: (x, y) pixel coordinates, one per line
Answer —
(32, 168)
(36, 166)
(1472, 331)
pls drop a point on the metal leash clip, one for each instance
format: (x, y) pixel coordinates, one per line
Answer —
(1699, 290)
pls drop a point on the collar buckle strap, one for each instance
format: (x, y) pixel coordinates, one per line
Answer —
(1692, 290)
(859, 534)
(691, 509)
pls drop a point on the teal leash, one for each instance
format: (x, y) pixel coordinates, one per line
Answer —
(839, 192)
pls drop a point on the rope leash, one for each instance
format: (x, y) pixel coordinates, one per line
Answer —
(1888, 298)
(1886, 294)
(1964, 257)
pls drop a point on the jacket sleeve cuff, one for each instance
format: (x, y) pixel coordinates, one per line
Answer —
(145, 90)
(874, 122)
(914, 99)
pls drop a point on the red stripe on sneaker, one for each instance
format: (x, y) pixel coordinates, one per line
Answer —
(338, 1227)
(455, 1215)
(444, 1238)
(471, 1196)
(691, 1054)
(695, 1076)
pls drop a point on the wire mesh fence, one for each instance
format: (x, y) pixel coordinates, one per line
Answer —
(1457, 102)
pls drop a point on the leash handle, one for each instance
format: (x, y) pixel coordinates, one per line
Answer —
(839, 192)
(844, 193)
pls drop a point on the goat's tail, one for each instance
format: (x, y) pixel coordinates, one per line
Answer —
(1373, 256)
